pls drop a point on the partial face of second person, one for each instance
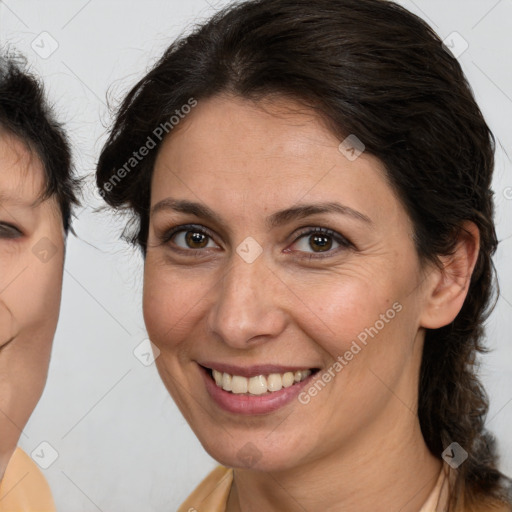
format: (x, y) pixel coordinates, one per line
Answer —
(31, 264)
(211, 299)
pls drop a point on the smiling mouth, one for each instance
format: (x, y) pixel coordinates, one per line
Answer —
(258, 385)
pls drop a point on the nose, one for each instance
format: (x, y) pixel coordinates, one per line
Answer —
(246, 311)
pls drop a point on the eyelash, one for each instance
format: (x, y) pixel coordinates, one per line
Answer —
(341, 240)
(11, 231)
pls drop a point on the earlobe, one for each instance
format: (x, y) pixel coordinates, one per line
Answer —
(450, 282)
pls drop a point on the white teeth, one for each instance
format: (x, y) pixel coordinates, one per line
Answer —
(218, 378)
(239, 384)
(288, 379)
(226, 382)
(274, 382)
(259, 384)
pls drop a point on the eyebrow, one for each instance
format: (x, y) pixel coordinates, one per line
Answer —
(276, 219)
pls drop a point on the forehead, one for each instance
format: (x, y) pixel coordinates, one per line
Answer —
(229, 128)
(263, 155)
(21, 172)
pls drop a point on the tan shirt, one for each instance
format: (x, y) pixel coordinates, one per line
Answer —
(212, 493)
(23, 487)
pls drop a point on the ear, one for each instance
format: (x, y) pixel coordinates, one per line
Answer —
(449, 284)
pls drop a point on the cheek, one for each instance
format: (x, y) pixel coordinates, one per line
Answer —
(162, 302)
(44, 303)
(172, 301)
(29, 310)
(366, 328)
(30, 306)
(7, 324)
(334, 309)
(32, 271)
(364, 325)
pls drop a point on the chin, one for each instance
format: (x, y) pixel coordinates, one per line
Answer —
(250, 452)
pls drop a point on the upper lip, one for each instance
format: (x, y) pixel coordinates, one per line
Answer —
(253, 370)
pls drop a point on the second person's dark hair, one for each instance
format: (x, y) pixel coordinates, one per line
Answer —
(25, 113)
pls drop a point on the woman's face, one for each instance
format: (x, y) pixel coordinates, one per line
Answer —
(272, 251)
(31, 263)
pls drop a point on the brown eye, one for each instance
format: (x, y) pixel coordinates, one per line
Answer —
(196, 240)
(320, 240)
(189, 237)
(320, 243)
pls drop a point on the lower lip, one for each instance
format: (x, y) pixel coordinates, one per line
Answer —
(251, 404)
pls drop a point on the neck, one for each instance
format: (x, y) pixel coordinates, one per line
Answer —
(388, 469)
(4, 461)
(8, 440)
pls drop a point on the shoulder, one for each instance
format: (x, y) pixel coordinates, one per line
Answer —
(23, 487)
(212, 493)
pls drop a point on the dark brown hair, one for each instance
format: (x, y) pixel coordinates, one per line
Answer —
(26, 114)
(369, 68)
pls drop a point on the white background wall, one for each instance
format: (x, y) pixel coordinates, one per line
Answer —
(123, 445)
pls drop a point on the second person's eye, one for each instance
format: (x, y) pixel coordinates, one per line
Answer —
(8, 231)
(320, 240)
(190, 238)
